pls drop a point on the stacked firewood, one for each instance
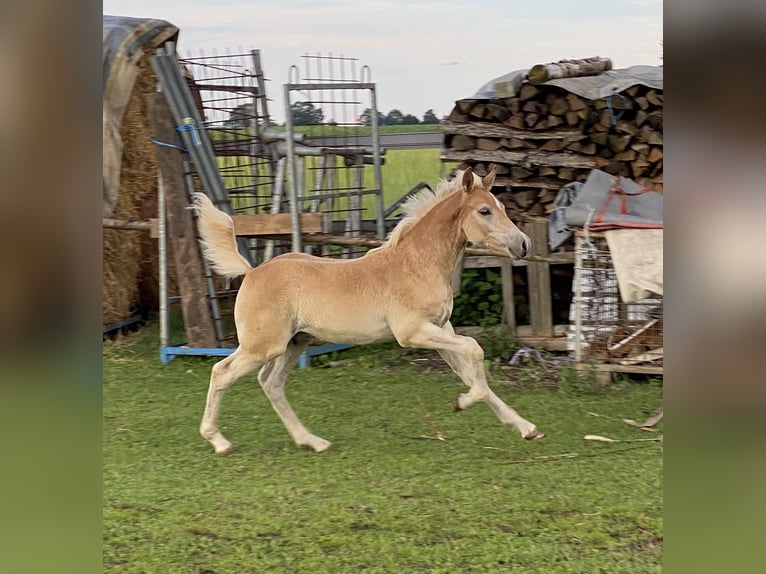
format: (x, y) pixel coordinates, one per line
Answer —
(542, 137)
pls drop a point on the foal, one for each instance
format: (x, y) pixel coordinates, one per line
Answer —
(400, 290)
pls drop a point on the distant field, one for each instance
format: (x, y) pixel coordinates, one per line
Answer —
(401, 171)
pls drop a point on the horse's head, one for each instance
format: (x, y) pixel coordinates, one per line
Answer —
(484, 220)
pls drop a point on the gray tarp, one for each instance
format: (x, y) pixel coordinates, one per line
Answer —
(580, 204)
(125, 42)
(590, 87)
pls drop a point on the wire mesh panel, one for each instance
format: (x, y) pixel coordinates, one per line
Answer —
(229, 91)
(333, 153)
(602, 327)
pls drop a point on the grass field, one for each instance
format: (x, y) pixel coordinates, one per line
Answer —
(388, 497)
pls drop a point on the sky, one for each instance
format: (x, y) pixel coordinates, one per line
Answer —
(422, 54)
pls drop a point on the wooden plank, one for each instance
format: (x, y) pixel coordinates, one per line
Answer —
(531, 158)
(539, 281)
(180, 229)
(613, 368)
(487, 129)
(275, 224)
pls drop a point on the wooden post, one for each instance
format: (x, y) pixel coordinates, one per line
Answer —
(509, 311)
(539, 281)
(191, 283)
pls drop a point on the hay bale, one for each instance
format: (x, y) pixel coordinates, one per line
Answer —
(130, 264)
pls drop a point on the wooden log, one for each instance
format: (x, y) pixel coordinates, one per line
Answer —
(465, 106)
(546, 170)
(575, 102)
(546, 195)
(638, 167)
(654, 98)
(568, 69)
(517, 143)
(531, 119)
(566, 173)
(618, 143)
(478, 111)
(654, 119)
(531, 106)
(557, 145)
(655, 154)
(198, 323)
(496, 112)
(513, 105)
(559, 106)
(487, 144)
(599, 138)
(528, 91)
(462, 142)
(518, 172)
(639, 147)
(572, 118)
(627, 155)
(625, 127)
(457, 116)
(553, 121)
(525, 198)
(516, 121)
(642, 102)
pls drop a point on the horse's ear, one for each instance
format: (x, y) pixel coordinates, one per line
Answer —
(489, 179)
(468, 179)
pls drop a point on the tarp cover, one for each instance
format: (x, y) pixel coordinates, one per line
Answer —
(125, 42)
(603, 202)
(590, 87)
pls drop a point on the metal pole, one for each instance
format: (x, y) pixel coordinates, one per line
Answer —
(578, 300)
(381, 225)
(163, 255)
(294, 207)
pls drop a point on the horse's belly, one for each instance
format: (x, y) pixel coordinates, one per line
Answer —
(353, 332)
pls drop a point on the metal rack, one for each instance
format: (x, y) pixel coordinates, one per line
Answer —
(617, 336)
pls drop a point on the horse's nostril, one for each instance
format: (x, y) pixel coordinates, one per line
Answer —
(526, 244)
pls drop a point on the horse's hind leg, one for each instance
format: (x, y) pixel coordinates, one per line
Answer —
(222, 376)
(272, 378)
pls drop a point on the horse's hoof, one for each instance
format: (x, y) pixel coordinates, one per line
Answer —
(320, 445)
(534, 434)
(225, 451)
(456, 405)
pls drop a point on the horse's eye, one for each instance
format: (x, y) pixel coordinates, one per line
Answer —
(485, 211)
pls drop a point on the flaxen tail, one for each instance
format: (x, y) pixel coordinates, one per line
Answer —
(219, 243)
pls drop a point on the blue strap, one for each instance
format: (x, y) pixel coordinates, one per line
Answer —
(165, 144)
(611, 110)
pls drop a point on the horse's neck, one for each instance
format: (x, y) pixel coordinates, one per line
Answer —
(437, 238)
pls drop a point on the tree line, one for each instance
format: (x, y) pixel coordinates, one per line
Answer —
(306, 114)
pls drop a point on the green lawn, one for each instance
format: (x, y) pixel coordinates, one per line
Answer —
(383, 499)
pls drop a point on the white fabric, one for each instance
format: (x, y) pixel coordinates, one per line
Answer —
(637, 259)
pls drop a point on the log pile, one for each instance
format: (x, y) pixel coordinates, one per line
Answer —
(542, 137)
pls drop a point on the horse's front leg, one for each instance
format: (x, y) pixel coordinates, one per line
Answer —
(466, 357)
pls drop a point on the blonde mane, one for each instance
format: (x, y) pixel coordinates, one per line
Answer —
(422, 202)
